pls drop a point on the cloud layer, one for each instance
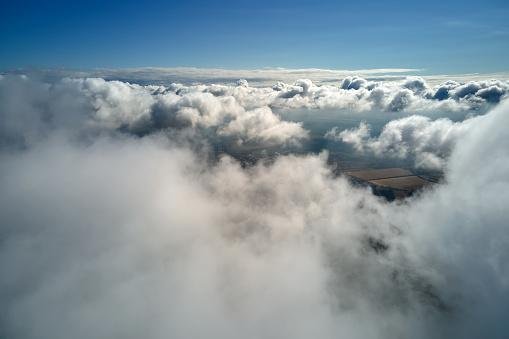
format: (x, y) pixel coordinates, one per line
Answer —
(29, 109)
(106, 234)
(358, 94)
(238, 113)
(192, 75)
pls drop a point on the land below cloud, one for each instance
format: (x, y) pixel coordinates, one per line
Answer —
(132, 208)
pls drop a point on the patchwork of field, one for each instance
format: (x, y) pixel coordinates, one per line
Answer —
(408, 183)
(373, 174)
(392, 183)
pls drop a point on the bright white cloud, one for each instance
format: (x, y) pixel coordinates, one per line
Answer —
(97, 105)
(262, 126)
(429, 142)
(118, 236)
(358, 94)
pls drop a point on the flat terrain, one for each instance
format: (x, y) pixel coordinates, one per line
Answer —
(373, 174)
(408, 183)
(392, 183)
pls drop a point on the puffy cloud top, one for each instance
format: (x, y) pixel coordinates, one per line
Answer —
(429, 142)
(98, 105)
(358, 94)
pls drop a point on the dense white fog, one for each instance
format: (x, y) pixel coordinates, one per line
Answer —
(115, 221)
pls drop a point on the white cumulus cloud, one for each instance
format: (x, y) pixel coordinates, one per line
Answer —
(429, 142)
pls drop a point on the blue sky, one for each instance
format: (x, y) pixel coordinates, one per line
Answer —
(437, 36)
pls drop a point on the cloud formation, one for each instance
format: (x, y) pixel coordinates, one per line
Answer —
(145, 109)
(29, 109)
(429, 142)
(117, 236)
(192, 75)
(358, 94)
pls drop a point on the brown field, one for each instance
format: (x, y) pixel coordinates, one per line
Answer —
(409, 183)
(373, 174)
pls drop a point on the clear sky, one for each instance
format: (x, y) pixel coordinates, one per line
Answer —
(437, 36)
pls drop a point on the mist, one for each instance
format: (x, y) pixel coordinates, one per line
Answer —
(112, 230)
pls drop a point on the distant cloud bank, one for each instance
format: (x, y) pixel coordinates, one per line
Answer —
(190, 75)
(239, 112)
